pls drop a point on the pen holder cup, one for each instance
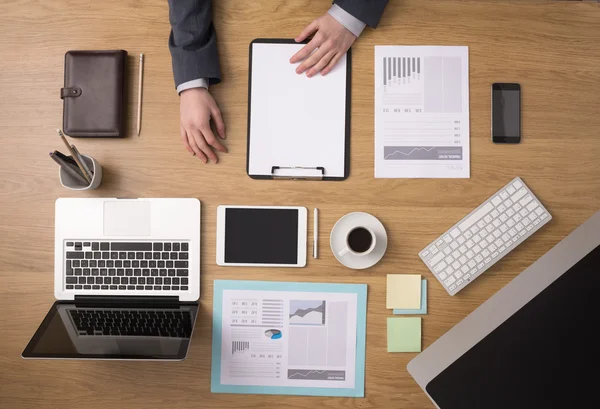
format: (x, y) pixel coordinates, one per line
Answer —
(70, 183)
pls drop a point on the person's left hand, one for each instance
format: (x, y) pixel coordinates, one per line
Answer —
(331, 40)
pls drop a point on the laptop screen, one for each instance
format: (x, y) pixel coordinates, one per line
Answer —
(539, 356)
(71, 331)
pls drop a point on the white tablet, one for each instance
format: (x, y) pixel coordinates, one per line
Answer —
(267, 236)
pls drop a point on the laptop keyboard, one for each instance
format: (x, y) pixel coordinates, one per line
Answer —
(157, 323)
(120, 265)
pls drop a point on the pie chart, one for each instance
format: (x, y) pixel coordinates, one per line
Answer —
(273, 333)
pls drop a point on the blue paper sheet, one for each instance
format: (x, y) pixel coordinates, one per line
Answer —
(359, 385)
(423, 309)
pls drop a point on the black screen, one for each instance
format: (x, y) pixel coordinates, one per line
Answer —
(261, 236)
(546, 355)
(505, 113)
(71, 331)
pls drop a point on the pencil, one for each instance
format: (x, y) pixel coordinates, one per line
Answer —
(139, 107)
(79, 165)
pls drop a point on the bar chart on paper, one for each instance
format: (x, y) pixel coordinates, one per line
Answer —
(421, 112)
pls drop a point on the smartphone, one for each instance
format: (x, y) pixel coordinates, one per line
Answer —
(506, 113)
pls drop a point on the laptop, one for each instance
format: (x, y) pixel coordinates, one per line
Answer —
(531, 344)
(126, 280)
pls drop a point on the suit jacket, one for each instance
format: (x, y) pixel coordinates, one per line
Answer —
(193, 39)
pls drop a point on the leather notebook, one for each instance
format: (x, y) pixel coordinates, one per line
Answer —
(94, 94)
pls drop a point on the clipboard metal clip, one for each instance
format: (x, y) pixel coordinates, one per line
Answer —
(298, 173)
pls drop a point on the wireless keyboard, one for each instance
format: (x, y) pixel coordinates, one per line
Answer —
(484, 236)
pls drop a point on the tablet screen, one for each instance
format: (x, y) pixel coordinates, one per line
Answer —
(261, 236)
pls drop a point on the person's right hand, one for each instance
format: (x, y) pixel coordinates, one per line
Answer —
(197, 108)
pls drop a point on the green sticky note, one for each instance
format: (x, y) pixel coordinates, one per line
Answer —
(404, 334)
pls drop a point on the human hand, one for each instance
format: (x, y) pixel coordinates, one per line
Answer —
(197, 107)
(331, 40)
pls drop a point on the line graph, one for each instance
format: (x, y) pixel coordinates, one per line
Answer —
(422, 153)
(316, 375)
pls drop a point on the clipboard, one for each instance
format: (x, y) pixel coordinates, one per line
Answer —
(298, 127)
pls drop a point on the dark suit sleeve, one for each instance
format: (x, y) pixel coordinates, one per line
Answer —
(193, 41)
(367, 11)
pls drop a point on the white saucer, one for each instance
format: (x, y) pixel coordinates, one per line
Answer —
(338, 240)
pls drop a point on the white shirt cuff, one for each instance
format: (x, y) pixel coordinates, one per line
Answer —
(354, 25)
(199, 83)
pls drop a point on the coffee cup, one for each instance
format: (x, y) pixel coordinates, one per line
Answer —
(360, 241)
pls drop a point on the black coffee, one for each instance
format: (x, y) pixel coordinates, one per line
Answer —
(360, 240)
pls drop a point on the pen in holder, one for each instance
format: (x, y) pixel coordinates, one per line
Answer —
(70, 182)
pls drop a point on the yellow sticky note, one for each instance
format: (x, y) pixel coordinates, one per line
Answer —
(403, 291)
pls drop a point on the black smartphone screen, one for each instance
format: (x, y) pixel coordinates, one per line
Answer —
(506, 113)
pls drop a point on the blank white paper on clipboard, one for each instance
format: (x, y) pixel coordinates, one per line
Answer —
(296, 124)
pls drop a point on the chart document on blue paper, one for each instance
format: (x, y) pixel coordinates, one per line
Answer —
(422, 112)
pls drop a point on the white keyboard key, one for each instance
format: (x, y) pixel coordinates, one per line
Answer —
(499, 243)
(497, 233)
(536, 222)
(489, 228)
(508, 203)
(494, 213)
(468, 235)
(466, 277)
(526, 221)
(432, 248)
(425, 253)
(474, 229)
(443, 275)
(532, 216)
(529, 227)
(510, 223)
(501, 249)
(462, 260)
(458, 274)
(510, 212)
(490, 238)
(503, 217)
(522, 232)
(463, 249)
(449, 281)
(480, 266)
(476, 238)
(449, 259)
(447, 238)
(459, 282)
(503, 195)
(532, 206)
(485, 209)
(476, 249)
(481, 224)
(439, 243)
(510, 189)
(517, 217)
(544, 216)
(501, 208)
(447, 250)
(439, 267)
(487, 219)
(517, 184)
(505, 237)
(520, 193)
(461, 240)
(454, 245)
(487, 260)
(449, 270)
(525, 200)
(478, 258)
(455, 233)
(470, 244)
(483, 233)
(470, 254)
(524, 212)
(452, 288)
(485, 253)
(434, 251)
(456, 254)
(496, 201)
(539, 211)
(516, 207)
(492, 247)
(515, 239)
(503, 228)
(436, 259)
(464, 269)
(456, 264)
(512, 232)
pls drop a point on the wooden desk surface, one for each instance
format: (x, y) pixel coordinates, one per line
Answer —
(551, 48)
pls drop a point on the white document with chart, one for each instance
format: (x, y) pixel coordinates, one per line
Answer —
(292, 342)
(422, 112)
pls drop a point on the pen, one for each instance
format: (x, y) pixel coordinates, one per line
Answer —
(65, 158)
(62, 136)
(316, 232)
(139, 107)
(69, 169)
(80, 158)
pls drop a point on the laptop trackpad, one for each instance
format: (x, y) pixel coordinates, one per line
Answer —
(126, 218)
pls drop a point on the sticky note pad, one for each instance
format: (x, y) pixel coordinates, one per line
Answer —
(423, 309)
(404, 334)
(404, 291)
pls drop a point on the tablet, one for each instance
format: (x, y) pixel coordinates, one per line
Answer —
(268, 236)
